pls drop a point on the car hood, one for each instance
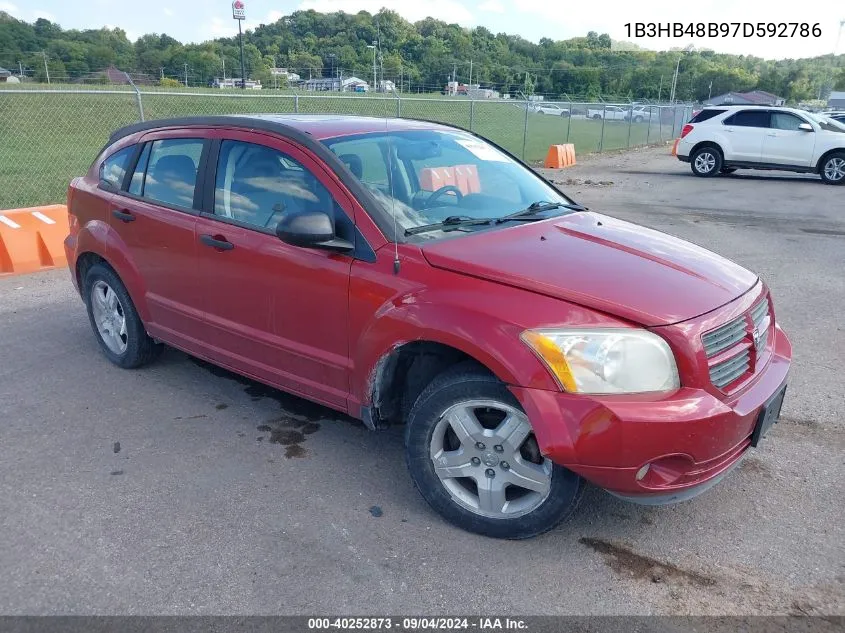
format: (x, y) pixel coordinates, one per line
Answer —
(600, 262)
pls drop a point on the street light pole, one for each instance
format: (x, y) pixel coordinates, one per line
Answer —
(374, 65)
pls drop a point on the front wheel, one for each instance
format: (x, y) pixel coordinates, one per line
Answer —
(472, 454)
(638, 119)
(597, 116)
(833, 169)
(706, 162)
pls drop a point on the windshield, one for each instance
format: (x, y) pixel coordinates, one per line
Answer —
(826, 123)
(427, 176)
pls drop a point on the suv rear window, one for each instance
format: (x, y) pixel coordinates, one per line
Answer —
(749, 118)
(704, 115)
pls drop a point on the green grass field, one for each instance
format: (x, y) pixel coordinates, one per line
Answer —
(47, 139)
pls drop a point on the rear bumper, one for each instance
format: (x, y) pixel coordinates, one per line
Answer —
(70, 253)
(689, 439)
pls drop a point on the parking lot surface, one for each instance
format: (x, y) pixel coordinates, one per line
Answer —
(183, 489)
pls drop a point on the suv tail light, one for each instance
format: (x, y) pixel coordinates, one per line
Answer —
(686, 130)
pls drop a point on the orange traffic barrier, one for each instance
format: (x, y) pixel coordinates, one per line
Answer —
(32, 239)
(464, 177)
(675, 147)
(560, 156)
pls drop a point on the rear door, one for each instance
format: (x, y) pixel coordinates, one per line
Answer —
(274, 311)
(744, 133)
(155, 216)
(786, 144)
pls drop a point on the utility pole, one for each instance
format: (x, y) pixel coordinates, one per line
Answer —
(375, 85)
(660, 90)
(161, 71)
(710, 91)
(20, 69)
(224, 68)
(470, 72)
(675, 80)
(186, 74)
(46, 70)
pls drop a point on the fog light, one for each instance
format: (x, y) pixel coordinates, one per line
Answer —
(642, 472)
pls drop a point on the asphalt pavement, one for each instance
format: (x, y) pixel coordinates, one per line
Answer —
(183, 489)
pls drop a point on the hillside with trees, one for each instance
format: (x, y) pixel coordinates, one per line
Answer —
(419, 57)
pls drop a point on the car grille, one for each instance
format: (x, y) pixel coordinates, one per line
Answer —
(737, 344)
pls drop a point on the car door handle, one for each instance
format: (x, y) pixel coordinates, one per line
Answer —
(123, 215)
(219, 242)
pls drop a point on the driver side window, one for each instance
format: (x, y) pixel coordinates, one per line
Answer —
(256, 184)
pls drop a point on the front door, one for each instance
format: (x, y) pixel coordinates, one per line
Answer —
(786, 144)
(154, 217)
(273, 311)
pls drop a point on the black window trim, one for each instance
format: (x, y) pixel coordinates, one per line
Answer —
(362, 251)
(198, 188)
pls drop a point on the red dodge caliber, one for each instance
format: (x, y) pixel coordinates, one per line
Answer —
(410, 272)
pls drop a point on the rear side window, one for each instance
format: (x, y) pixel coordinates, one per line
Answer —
(749, 118)
(705, 115)
(113, 169)
(167, 171)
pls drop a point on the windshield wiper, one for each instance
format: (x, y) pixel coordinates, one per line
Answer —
(451, 223)
(538, 207)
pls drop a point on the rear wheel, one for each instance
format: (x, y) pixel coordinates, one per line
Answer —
(472, 454)
(115, 321)
(833, 169)
(597, 116)
(706, 162)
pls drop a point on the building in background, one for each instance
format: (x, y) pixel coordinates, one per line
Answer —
(755, 97)
(235, 82)
(836, 101)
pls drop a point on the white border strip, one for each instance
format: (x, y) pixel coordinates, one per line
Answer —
(43, 217)
(8, 222)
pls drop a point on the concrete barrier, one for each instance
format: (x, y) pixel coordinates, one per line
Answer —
(560, 156)
(32, 239)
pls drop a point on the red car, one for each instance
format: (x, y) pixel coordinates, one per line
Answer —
(410, 272)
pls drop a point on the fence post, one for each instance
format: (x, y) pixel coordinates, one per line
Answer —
(137, 97)
(569, 123)
(525, 128)
(659, 124)
(648, 129)
(603, 119)
(471, 114)
(398, 106)
(630, 122)
(296, 103)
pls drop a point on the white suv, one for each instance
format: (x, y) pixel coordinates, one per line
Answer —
(726, 138)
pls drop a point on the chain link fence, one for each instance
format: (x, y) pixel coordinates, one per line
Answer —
(47, 137)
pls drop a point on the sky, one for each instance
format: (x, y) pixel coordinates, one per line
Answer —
(199, 20)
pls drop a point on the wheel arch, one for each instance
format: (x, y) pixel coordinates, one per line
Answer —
(823, 158)
(703, 144)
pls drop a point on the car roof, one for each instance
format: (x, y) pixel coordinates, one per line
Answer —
(317, 126)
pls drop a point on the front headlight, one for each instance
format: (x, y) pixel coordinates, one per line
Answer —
(606, 360)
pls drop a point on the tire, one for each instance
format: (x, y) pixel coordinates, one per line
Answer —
(564, 114)
(832, 170)
(597, 116)
(706, 162)
(638, 119)
(727, 170)
(115, 321)
(467, 398)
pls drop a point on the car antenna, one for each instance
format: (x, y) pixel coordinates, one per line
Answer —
(390, 175)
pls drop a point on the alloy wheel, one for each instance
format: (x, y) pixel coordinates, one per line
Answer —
(705, 162)
(485, 455)
(834, 169)
(109, 317)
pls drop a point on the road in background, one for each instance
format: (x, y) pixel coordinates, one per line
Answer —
(166, 490)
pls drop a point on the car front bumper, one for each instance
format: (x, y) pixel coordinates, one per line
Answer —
(690, 438)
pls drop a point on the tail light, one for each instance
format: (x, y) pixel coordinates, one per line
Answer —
(686, 130)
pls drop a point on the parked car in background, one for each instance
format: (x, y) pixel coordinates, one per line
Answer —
(836, 116)
(726, 138)
(638, 114)
(611, 113)
(550, 108)
(526, 344)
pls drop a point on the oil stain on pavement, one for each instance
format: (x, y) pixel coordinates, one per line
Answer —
(290, 432)
(628, 563)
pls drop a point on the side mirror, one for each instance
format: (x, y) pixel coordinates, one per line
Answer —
(805, 127)
(313, 229)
